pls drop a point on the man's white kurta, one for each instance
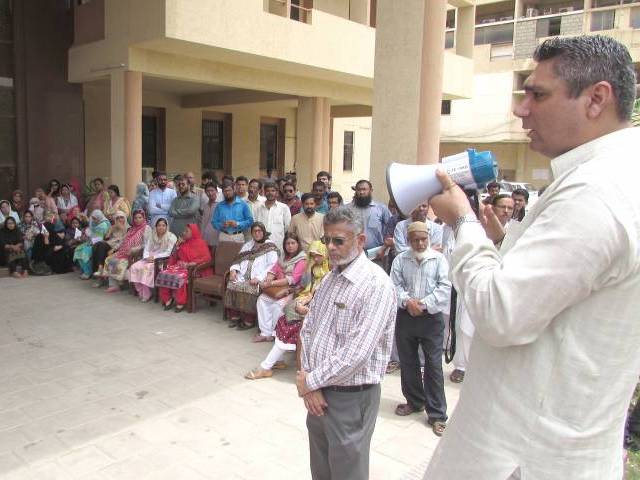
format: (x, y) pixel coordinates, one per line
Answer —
(556, 352)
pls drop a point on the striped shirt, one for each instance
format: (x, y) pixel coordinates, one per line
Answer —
(427, 281)
(348, 333)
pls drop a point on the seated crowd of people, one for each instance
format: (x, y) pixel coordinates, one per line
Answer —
(170, 233)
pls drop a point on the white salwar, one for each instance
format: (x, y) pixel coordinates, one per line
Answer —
(269, 311)
(555, 359)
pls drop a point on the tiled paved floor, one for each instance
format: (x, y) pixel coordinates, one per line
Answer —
(99, 386)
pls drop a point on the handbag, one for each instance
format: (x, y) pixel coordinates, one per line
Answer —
(276, 292)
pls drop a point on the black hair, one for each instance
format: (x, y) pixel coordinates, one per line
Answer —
(335, 195)
(521, 191)
(114, 189)
(307, 196)
(270, 185)
(322, 173)
(255, 180)
(242, 178)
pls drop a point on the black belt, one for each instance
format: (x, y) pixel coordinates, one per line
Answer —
(349, 388)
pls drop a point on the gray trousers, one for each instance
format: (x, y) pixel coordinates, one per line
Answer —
(339, 441)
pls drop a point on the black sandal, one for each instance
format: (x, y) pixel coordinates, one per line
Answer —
(245, 326)
(179, 308)
(168, 306)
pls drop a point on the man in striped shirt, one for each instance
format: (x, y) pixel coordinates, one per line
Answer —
(346, 342)
(423, 289)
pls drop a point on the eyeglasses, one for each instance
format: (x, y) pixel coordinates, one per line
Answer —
(337, 241)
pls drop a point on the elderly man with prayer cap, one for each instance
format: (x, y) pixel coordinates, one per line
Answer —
(423, 290)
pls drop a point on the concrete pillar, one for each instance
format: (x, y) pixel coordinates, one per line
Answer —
(432, 70)
(126, 131)
(312, 139)
(407, 88)
(465, 31)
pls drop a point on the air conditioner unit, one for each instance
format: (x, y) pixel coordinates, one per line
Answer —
(506, 19)
(565, 9)
(531, 12)
(488, 20)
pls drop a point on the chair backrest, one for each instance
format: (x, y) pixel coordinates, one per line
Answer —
(225, 253)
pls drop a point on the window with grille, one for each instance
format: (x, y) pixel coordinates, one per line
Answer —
(212, 144)
(268, 146)
(347, 156)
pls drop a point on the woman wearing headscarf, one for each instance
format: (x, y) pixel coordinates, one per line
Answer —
(56, 250)
(110, 243)
(159, 245)
(18, 202)
(141, 201)
(29, 229)
(6, 211)
(66, 200)
(115, 203)
(53, 189)
(172, 282)
(99, 226)
(12, 248)
(116, 265)
(250, 267)
(73, 234)
(289, 324)
(36, 209)
(277, 289)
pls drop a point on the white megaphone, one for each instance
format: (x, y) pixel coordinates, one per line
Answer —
(411, 185)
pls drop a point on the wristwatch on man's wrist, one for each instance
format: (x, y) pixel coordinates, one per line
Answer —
(468, 218)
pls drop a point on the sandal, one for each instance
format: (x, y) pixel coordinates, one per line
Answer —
(261, 339)
(457, 376)
(279, 365)
(438, 427)
(258, 373)
(233, 323)
(112, 289)
(168, 305)
(245, 326)
(405, 409)
(179, 309)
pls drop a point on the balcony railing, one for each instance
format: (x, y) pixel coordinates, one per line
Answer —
(499, 32)
(289, 9)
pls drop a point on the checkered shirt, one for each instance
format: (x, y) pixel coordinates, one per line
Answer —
(348, 333)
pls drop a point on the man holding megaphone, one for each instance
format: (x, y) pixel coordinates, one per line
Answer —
(555, 357)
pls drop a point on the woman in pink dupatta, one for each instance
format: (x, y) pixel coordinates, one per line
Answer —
(190, 250)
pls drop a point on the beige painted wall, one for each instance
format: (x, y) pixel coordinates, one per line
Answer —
(184, 133)
(97, 131)
(342, 180)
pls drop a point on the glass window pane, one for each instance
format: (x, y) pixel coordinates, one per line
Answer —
(347, 156)
(603, 20)
(635, 17)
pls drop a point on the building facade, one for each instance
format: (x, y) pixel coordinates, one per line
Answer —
(506, 35)
(234, 86)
